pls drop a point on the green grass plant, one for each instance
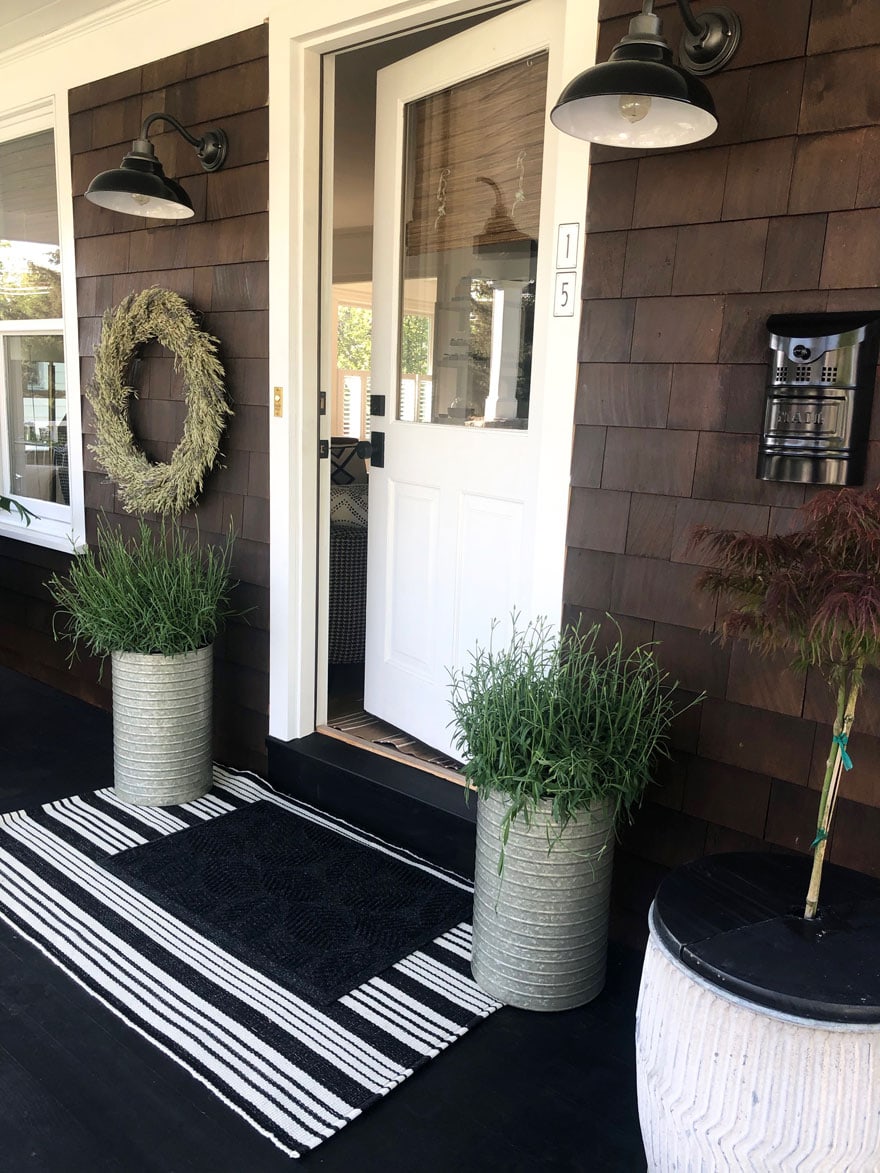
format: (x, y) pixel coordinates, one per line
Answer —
(155, 593)
(555, 716)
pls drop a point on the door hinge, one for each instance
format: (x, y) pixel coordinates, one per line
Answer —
(323, 449)
(322, 403)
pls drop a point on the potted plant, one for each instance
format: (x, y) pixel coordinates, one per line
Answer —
(154, 604)
(560, 738)
(758, 1028)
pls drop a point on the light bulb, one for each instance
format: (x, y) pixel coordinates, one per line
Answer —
(634, 107)
(140, 199)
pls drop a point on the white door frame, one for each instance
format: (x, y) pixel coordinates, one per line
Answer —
(295, 127)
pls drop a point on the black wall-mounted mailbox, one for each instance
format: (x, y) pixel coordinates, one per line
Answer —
(820, 388)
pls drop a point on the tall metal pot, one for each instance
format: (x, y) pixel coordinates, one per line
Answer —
(541, 924)
(162, 726)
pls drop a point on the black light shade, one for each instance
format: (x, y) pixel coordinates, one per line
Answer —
(139, 186)
(639, 98)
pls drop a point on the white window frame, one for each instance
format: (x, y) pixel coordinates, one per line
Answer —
(54, 327)
(57, 526)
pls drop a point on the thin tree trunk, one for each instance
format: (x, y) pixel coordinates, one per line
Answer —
(846, 707)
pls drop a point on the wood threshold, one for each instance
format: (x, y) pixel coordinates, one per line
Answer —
(387, 752)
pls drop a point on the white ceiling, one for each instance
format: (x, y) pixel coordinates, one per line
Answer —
(22, 20)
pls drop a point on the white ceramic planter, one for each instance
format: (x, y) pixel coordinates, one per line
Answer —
(162, 727)
(726, 1086)
(540, 937)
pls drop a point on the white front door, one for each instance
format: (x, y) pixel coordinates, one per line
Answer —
(478, 217)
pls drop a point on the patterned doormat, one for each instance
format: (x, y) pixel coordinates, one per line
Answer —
(295, 1070)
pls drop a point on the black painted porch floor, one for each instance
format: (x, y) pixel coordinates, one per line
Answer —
(81, 1093)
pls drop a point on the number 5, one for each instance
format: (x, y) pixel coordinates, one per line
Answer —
(564, 296)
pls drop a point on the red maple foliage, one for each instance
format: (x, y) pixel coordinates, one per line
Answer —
(815, 594)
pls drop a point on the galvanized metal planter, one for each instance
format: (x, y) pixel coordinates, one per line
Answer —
(162, 727)
(541, 926)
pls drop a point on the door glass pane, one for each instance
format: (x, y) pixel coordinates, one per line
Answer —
(37, 401)
(472, 195)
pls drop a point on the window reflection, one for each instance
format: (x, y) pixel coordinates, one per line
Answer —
(37, 407)
(33, 393)
(472, 198)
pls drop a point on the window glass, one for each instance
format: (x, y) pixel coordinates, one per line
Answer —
(30, 257)
(37, 414)
(472, 196)
(34, 387)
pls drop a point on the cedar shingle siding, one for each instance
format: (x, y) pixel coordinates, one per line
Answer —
(688, 252)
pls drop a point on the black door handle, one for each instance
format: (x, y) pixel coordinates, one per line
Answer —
(373, 449)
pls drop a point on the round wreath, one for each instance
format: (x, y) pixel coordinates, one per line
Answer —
(143, 486)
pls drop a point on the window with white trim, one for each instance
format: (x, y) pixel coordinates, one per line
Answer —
(34, 407)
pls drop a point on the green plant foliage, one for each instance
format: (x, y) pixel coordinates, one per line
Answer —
(145, 487)
(354, 340)
(354, 337)
(554, 717)
(157, 593)
(30, 291)
(9, 505)
(414, 337)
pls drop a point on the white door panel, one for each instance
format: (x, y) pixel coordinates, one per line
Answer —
(490, 580)
(459, 531)
(413, 541)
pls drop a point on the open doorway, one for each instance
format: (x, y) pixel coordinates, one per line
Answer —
(349, 338)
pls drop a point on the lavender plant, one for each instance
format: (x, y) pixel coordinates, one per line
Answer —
(158, 593)
(555, 716)
(815, 595)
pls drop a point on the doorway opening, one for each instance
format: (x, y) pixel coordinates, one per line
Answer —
(348, 336)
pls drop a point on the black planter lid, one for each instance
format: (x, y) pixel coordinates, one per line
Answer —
(737, 920)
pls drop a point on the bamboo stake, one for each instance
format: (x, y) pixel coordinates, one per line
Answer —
(830, 788)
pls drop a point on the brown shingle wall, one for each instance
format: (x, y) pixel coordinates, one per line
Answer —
(218, 261)
(688, 252)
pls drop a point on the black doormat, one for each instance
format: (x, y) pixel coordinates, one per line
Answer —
(316, 910)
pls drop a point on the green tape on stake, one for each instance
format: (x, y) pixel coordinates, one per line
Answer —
(840, 739)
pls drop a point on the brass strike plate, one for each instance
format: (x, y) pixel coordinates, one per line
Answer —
(278, 401)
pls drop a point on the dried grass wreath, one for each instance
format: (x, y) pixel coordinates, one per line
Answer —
(164, 316)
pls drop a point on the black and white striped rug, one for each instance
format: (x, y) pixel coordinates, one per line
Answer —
(296, 1072)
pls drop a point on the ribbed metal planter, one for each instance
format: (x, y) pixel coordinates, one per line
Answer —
(162, 726)
(541, 927)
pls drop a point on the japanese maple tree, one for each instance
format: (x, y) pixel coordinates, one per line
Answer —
(815, 595)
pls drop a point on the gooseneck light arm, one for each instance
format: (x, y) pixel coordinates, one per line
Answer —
(211, 147)
(691, 23)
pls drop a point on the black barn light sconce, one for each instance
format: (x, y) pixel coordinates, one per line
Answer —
(139, 186)
(639, 98)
